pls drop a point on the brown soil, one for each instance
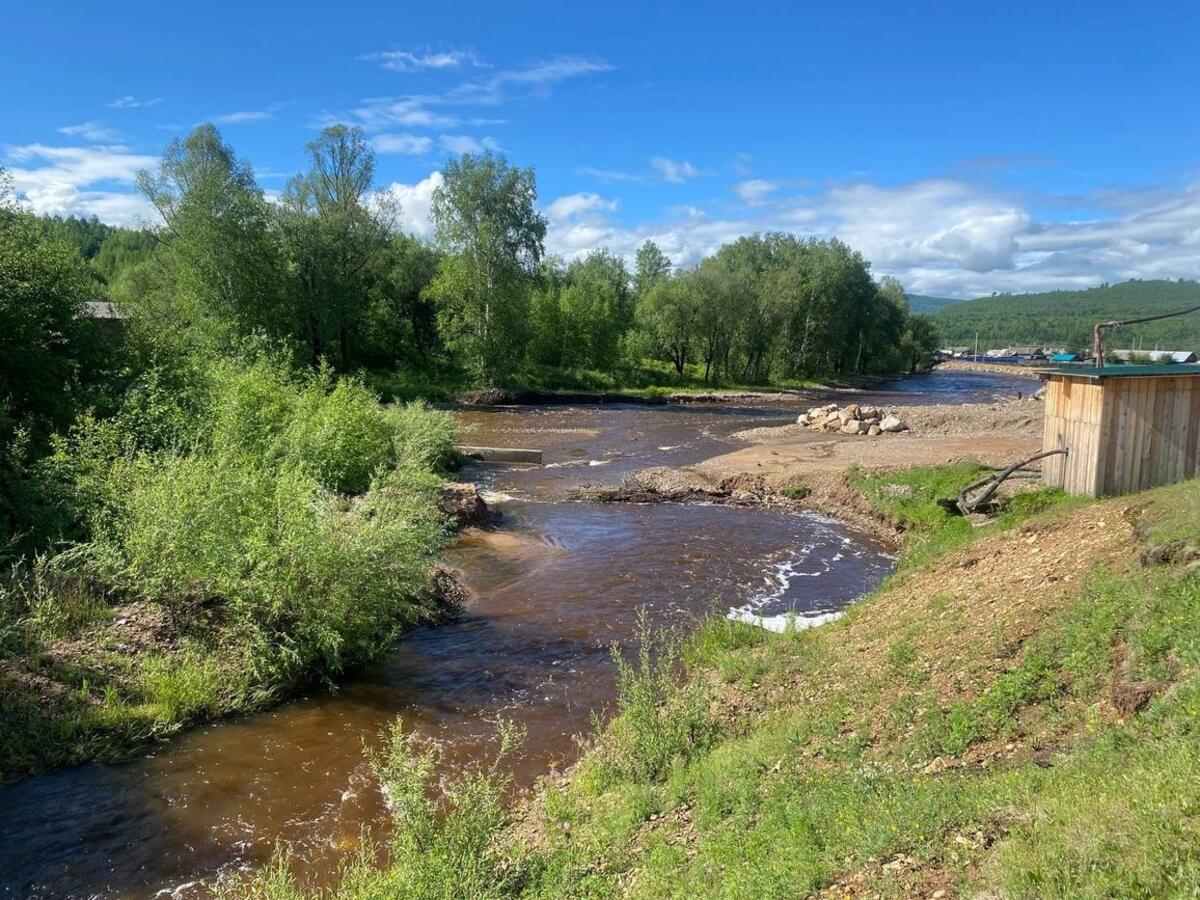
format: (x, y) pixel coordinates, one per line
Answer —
(462, 505)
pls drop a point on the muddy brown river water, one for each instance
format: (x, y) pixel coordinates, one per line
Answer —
(555, 583)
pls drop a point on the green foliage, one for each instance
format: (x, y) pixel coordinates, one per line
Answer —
(662, 717)
(768, 307)
(220, 246)
(1065, 318)
(254, 516)
(488, 225)
(796, 490)
(52, 359)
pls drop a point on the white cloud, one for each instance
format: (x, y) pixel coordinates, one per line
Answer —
(129, 102)
(531, 81)
(464, 143)
(80, 181)
(936, 221)
(405, 61)
(385, 112)
(407, 144)
(608, 175)
(755, 190)
(574, 205)
(938, 236)
(417, 110)
(415, 201)
(96, 132)
(674, 171)
(243, 117)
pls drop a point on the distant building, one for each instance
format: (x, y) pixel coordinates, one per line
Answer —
(1065, 357)
(1155, 356)
(102, 309)
(107, 316)
(1029, 352)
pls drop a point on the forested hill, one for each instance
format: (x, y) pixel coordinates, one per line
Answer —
(1065, 318)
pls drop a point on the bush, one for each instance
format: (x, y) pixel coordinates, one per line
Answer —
(310, 578)
(422, 438)
(662, 715)
(338, 435)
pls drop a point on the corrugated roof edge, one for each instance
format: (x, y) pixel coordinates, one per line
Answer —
(1086, 371)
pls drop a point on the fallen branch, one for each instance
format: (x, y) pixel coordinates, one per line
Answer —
(966, 505)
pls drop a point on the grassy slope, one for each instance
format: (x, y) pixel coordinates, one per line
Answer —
(1066, 317)
(968, 728)
(1012, 714)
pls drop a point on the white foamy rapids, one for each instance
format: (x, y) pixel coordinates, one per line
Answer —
(490, 497)
(788, 621)
(779, 577)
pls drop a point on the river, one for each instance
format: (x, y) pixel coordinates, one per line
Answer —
(555, 583)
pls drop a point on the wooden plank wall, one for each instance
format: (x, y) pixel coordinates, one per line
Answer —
(1123, 434)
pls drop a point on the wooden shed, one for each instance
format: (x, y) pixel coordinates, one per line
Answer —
(1125, 428)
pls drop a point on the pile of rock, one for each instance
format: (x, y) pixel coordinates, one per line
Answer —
(852, 419)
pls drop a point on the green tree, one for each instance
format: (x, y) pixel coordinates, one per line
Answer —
(219, 241)
(488, 224)
(666, 314)
(401, 321)
(651, 266)
(334, 228)
(50, 354)
(597, 310)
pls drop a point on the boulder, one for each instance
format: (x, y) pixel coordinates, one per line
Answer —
(802, 419)
(855, 426)
(833, 423)
(461, 505)
(892, 424)
(874, 431)
(849, 413)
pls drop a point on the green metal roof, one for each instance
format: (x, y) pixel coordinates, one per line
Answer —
(1083, 370)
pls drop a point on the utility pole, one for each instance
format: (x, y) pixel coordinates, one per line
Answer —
(1099, 327)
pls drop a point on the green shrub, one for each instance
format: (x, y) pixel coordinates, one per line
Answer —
(796, 490)
(185, 686)
(422, 438)
(338, 435)
(662, 716)
(311, 578)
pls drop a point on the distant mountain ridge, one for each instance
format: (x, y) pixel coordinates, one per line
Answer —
(1065, 318)
(923, 303)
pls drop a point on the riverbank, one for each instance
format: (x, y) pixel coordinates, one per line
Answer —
(962, 365)
(1012, 714)
(647, 383)
(129, 677)
(791, 466)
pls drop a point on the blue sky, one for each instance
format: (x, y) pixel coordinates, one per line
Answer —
(965, 148)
